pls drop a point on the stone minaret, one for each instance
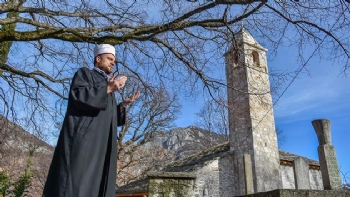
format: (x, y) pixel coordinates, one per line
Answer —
(251, 119)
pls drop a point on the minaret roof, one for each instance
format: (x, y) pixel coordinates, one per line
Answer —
(244, 37)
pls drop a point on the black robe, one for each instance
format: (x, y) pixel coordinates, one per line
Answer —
(84, 161)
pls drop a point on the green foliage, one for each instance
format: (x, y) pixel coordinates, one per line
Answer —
(18, 187)
(4, 183)
(21, 185)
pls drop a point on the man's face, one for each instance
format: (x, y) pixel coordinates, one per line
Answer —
(105, 62)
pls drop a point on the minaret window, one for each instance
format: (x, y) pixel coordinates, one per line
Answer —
(256, 61)
(235, 60)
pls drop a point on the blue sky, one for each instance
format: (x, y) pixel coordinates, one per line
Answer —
(322, 92)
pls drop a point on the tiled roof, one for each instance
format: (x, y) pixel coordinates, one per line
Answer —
(136, 186)
(290, 157)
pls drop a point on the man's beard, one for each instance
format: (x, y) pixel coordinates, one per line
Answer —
(106, 70)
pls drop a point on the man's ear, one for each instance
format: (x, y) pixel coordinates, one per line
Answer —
(98, 58)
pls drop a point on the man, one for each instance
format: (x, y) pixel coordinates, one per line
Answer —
(84, 161)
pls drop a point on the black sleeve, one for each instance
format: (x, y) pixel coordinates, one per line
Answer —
(87, 95)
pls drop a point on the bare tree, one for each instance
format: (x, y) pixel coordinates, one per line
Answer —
(167, 45)
(170, 44)
(213, 116)
(281, 136)
(154, 111)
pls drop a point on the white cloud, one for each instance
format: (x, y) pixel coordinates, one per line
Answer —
(324, 93)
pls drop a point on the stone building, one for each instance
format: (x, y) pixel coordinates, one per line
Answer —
(210, 173)
(250, 162)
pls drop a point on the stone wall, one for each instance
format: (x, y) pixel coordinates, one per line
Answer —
(287, 177)
(288, 181)
(215, 178)
(301, 193)
(170, 187)
(170, 184)
(315, 179)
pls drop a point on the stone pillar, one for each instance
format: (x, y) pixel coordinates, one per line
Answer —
(301, 173)
(327, 156)
(248, 174)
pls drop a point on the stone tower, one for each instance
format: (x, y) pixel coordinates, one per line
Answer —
(251, 119)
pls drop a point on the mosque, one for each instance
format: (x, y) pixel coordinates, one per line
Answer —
(250, 164)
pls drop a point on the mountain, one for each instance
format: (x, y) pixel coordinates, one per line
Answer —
(187, 141)
(13, 136)
(15, 147)
(165, 147)
(346, 186)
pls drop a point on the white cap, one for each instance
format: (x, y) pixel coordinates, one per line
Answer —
(103, 48)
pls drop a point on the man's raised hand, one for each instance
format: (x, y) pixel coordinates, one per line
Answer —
(115, 84)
